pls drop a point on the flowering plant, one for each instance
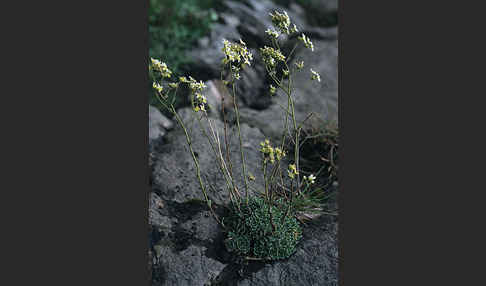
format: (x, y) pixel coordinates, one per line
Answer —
(248, 234)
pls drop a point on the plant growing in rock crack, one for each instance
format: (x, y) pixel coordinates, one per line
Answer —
(261, 226)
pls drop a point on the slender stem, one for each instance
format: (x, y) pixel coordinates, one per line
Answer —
(296, 147)
(171, 109)
(239, 135)
(296, 130)
(235, 189)
(220, 161)
(196, 162)
(291, 200)
(291, 52)
(198, 169)
(264, 171)
(225, 124)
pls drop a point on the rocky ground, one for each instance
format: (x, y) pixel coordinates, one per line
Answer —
(186, 243)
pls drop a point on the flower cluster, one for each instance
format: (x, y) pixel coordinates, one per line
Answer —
(268, 151)
(161, 67)
(279, 153)
(236, 53)
(197, 86)
(271, 56)
(271, 153)
(282, 22)
(200, 102)
(165, 72)
(307, 42)
(193, 84)
(272, 33)
(310, 180)
(236, 72)
(158, 87)
(315, 75)
(292, 171)
(299, 65)
(294, 29)
(272, 89)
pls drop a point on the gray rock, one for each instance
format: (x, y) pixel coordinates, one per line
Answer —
(322, 12)
(297, 9)
(189, 267)
(180, 234)
(202, 227)
(174, 174)
(324, 6)
(179, 240)
(207, 57)
(318, 33)
(230, 20)
(215, 93)
(158, 124)
(250, 88)
(315, 262)
(320, 98)
(157, 219)
(255, 20)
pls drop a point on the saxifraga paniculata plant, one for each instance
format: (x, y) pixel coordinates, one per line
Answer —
(261, 226)
(251, 233)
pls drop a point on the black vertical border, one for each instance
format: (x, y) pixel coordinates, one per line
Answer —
(80, 143)
(342, 180)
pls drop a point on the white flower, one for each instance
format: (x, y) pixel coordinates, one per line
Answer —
(270, 56)
(311, 179)
(155, 62)
(315, 75)
(300, 65)
(294, 29)
(161, 67)
(272, 89)
(199, 102)
(281, 21)
(307, 42)
(157, 87)
(236, 53)
(272, 33)
(292, 171)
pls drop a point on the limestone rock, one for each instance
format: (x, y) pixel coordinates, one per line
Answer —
(320, 98)
(315, 262)
(189, 267)
(158, 124)
(174, 174)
